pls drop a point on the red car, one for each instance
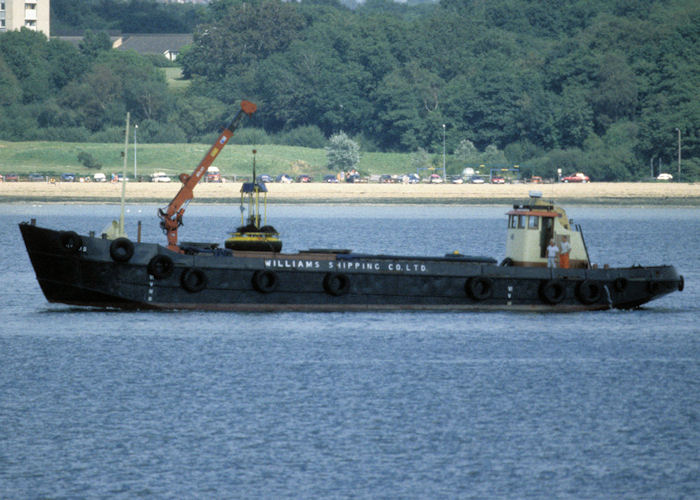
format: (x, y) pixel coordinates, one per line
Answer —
(498, 180)
(577, 177)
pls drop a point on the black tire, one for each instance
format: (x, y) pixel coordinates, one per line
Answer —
(479, 287)
(161, 267)
(589, 292)
(265, 281)
(620, 284)
(336, 284)
(121, 249)
(193, 280)
(71, 241)
(553, 291)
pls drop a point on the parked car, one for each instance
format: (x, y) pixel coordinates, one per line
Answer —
(435, 179)
(476, 179)
(284, 179)
(12, 178)
(36, 178)
(160, 177)
(265, 178)
(386, 179)
(536, 179)
(577, 177)
(410, 179)
(304, 178)
(664, 177)
(456, 179)
(67, 177)
(99, 177)
(332, 179)
(353, 178)
(214, 174)
(498, 180)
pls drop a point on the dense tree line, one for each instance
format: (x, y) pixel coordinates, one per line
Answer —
(593, 85)
(71, 17)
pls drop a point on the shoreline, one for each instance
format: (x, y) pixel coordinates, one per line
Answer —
(602, 193)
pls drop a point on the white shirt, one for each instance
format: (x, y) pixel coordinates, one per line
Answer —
(552, 251)
(565, 247)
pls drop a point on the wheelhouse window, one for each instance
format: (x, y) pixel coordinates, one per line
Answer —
(533, 222)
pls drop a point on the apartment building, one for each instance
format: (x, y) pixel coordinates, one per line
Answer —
(31, 14)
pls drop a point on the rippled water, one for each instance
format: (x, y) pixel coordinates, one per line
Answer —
(180, 404)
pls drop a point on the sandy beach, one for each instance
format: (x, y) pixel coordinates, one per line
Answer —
(592, 193)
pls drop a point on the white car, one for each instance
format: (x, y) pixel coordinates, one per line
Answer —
(160, 177)
(99, 177)
(664, 177)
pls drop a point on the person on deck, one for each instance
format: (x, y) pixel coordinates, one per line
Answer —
(564, 253)
(552, 251)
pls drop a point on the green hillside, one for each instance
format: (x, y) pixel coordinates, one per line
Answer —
(54, 158)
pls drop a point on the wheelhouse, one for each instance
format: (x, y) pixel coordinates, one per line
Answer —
(530, 228)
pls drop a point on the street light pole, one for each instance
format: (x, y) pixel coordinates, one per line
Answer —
(136, 127)
(444, 171)
(679, 153)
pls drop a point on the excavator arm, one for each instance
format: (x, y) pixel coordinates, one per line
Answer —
(171, 216)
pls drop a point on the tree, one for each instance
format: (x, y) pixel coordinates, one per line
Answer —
(246, 33)
(342, 153)
(94, 43)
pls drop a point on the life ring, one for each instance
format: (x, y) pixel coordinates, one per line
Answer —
(553, 291)
(121, 249)
(620, 284)
(681, 283)
(479, 287)
(265, 281)
(193, 280)
(336, 284)
(507, 262)
(161, 266)
(589, 292)
(71, 241)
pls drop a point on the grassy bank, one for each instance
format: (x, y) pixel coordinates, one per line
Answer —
(55, 158)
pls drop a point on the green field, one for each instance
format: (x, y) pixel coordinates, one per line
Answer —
(55, 158)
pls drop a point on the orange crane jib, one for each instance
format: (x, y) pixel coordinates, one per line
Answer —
(171, 216)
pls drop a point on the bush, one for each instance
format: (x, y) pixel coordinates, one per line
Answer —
(309, 137)
(250, 136)
(88, 160)
(109, 135)
(61, 134)
(151, 131)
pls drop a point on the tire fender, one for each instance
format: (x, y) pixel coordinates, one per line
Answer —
(161, 267)
(193, 280)
(71, 241)
(121, 249)
(552, 291)
(265, 281)
(479, 287)
(336, 284)
(589, 291)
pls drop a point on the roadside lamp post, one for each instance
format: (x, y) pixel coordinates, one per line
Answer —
(444, 171)
(136, 127)
(679, 153)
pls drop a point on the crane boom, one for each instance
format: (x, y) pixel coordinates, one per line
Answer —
(171, 216)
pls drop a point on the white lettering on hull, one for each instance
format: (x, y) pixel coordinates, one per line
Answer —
(342, 265)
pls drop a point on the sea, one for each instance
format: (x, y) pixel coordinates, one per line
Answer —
(109, 404)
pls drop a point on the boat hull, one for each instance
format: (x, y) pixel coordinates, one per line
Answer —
(97, 272)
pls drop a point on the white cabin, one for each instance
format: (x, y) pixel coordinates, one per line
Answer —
(531, 226)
